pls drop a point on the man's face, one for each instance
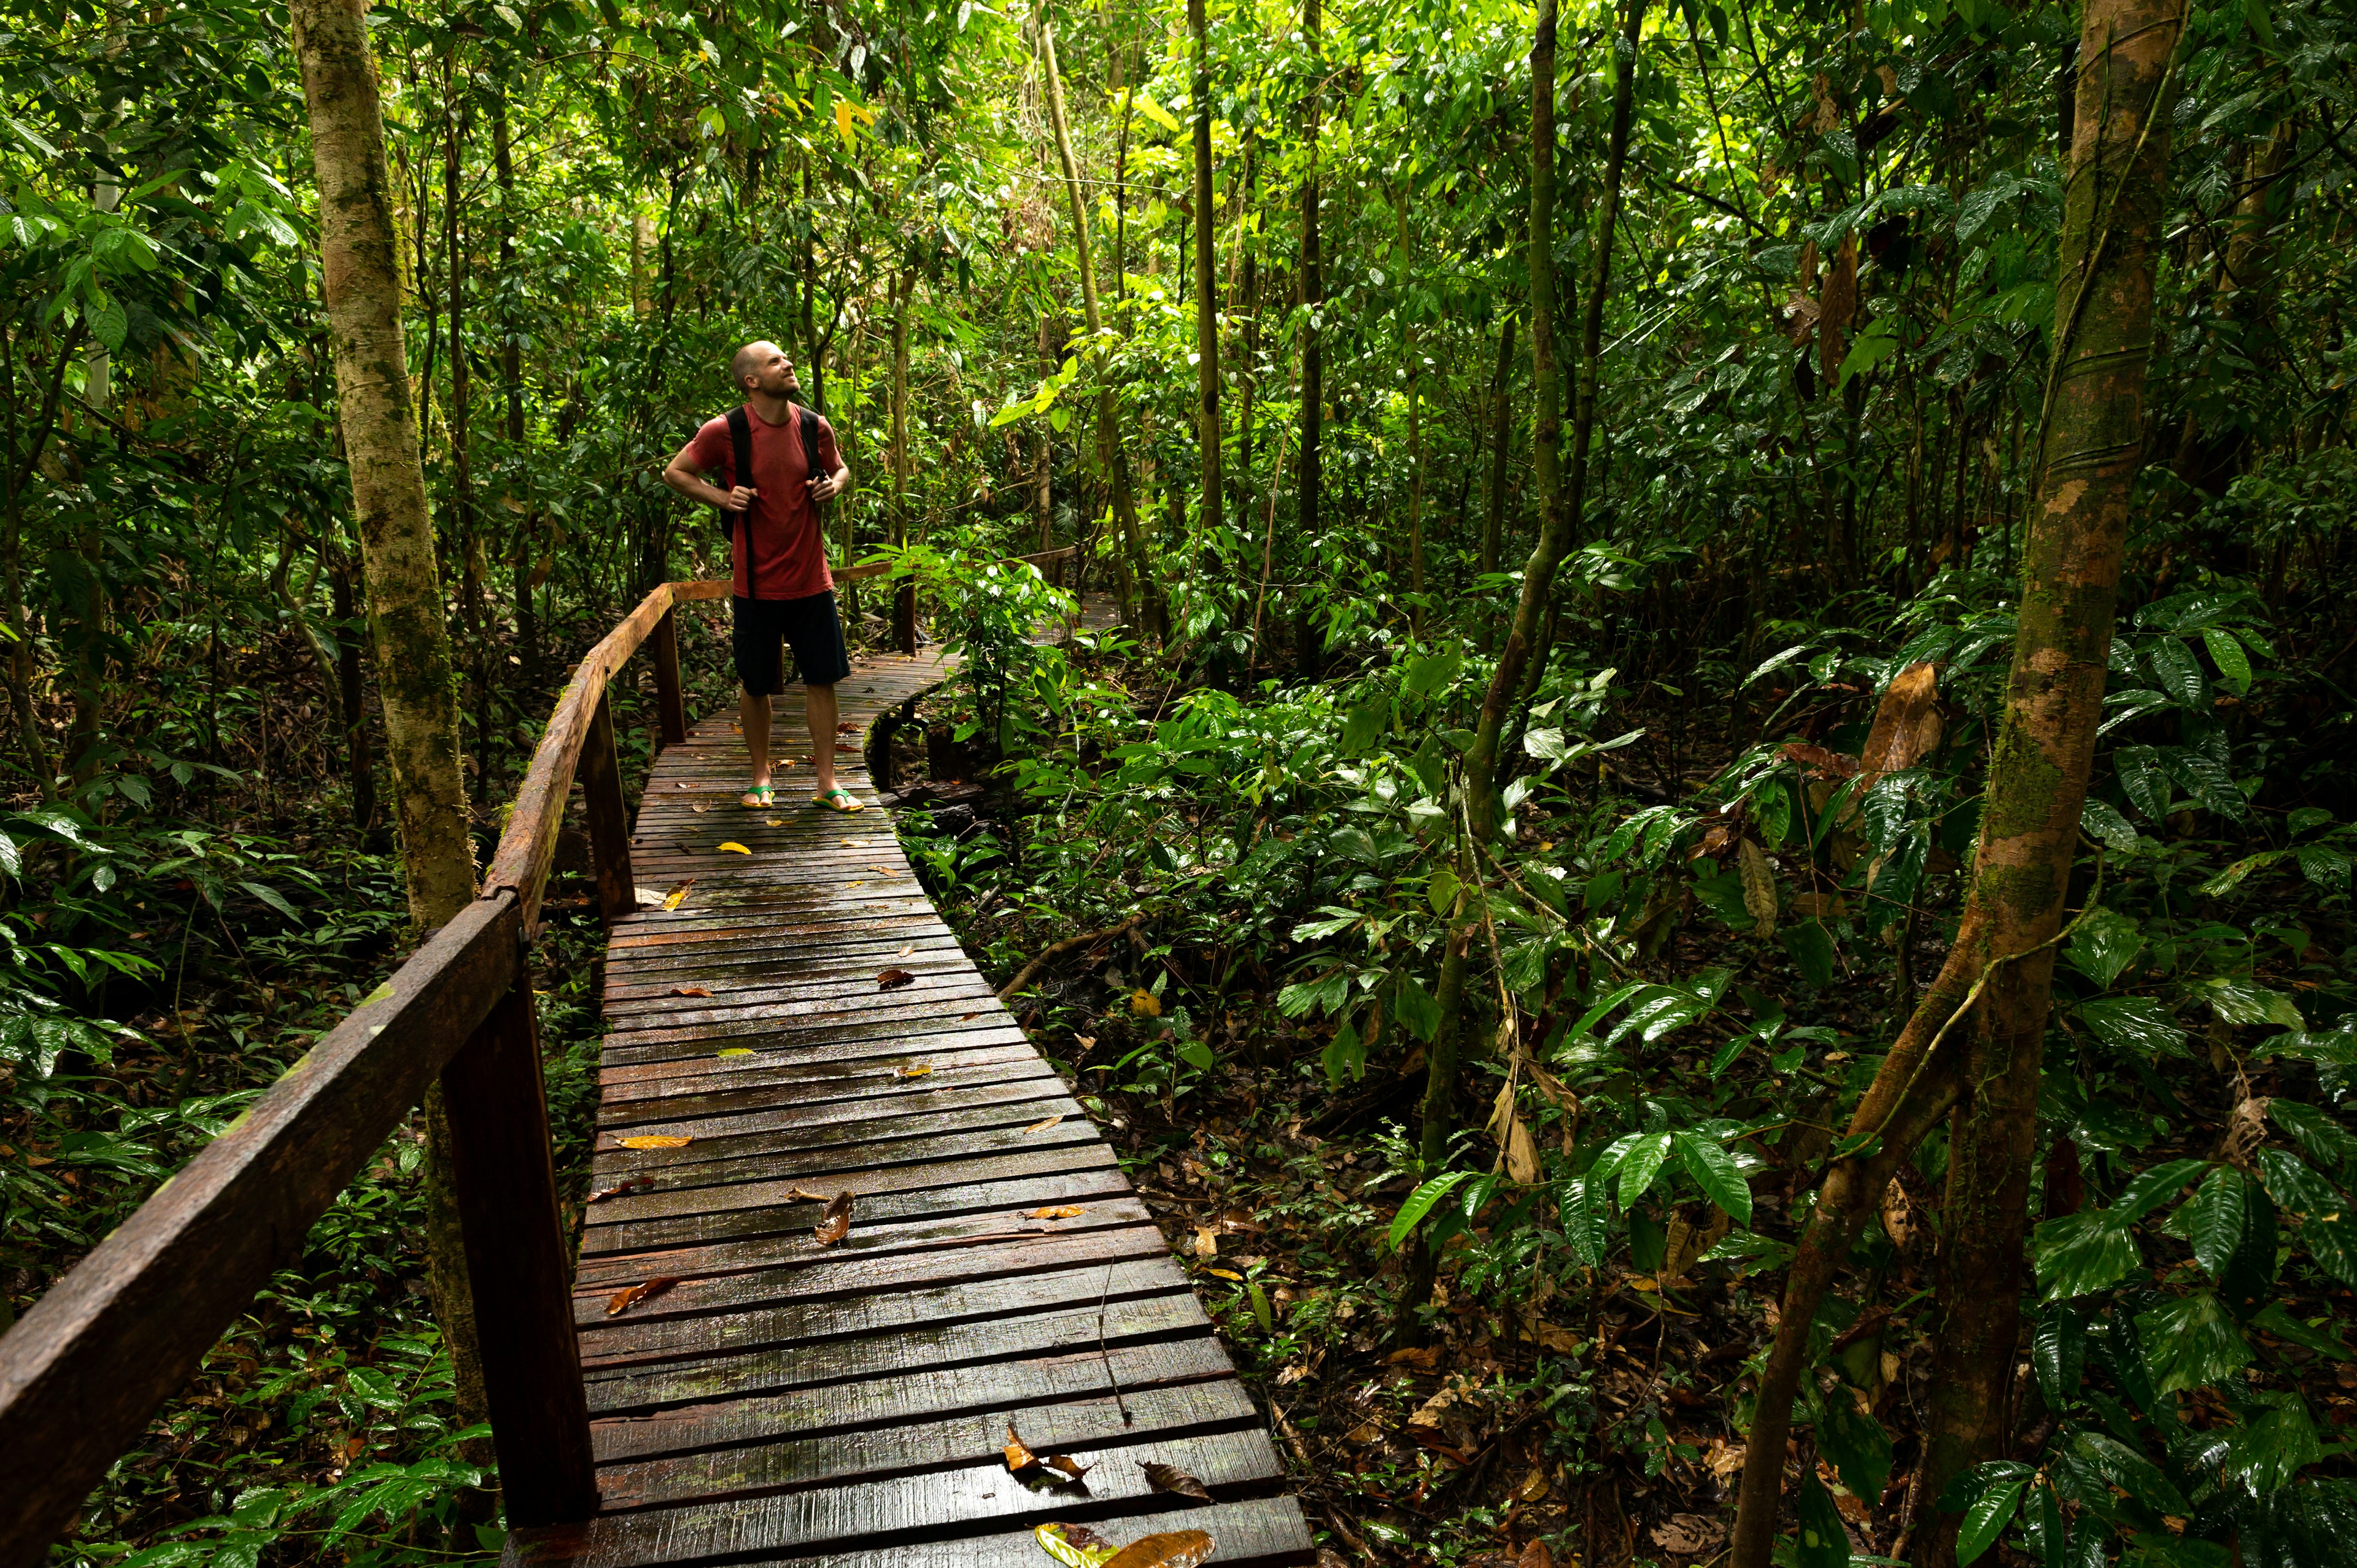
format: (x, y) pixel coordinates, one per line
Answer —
(773, 372)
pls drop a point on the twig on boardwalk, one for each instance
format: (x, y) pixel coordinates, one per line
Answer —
(1032, 969)
(1119, 1403)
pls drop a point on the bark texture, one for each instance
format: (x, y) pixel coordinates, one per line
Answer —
(2000, 967)
(1206, 301)
(416, 677)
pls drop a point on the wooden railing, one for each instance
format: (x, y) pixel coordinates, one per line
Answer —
(83, 1372)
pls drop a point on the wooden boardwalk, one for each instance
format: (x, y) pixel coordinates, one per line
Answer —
(849, 1404)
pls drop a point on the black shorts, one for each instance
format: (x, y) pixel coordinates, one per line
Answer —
(811, 624)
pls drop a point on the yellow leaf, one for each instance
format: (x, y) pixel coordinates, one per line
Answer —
(1224, 1275)
(919, 1071)
(732, 847)
(843, 119)
(655, 1140)
(1144, 1005)
(735, 1051)
(678, 894)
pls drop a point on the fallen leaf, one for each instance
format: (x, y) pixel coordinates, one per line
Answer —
(1535, 1554)
(699, 809)
(1292, 1375)
(1170, 1478)
(804, 1195)
(1225, 1275)
(1368, 1431)
(1207, 1241)
(732, 847)
(1074, 1545)
(1561, 1340)
(893, 979)
(623, 1300)
(1065, 1464)
(1897, 1213)
(920, 1070)
(1061, 1212)
(1043, 1124)
(836, 1223)
(1018, 1458)
(905, 951)
(655, 1140)
(847, 729)
(965, 1017)
(1144, 1005)
(690, 991)
(624, 1191)
(1723, 1458)
(773, 822)
(678, 894)
(1424, 1356)
(1429, 1414)
(1170, 1549)
(884, 871)
(734, 1051)
(1533, 1487)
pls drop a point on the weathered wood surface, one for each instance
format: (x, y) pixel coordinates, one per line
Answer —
(848, 1403)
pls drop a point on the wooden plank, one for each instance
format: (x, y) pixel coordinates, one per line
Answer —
(703, 1097)
(1071, 1328)
(83, 1370)
(625, 1086)
(877, 1514)
(917, 1394)
(849, 1456)
(1016, 1084)
(882, 1242)
(1262, 1534)
(803, 1040)
(852, 1274)
(688, 1182)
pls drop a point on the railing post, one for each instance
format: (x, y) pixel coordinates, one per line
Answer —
(904, 616)
(600, 772)
(670, 706)
(506, 1187)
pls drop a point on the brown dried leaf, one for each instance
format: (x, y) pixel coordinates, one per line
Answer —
(836, 1223)
(1170, 1478)
(1536, 1555)
(1207, 1241)
(893, 979)
(1059, 1212)
(1759, 886)
(1522, 1154)
(623, 1300)
(1043, 1124)
(1425, 1356)
(1562, 1341)
(1170, 1549)
(1898, 1214)
(624, 1191)
(655, 1140)
(1366, 1431)
(1907, 722)
(1018, 1458)
(1534, 1487)
(1065, 1464)
(804, 1195)
(1820, 763)
(691, 991)
(678, 894)
(1688, 1534)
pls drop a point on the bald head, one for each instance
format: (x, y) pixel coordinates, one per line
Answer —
(745, 369)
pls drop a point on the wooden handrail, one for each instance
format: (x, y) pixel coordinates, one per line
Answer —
(84, 1371)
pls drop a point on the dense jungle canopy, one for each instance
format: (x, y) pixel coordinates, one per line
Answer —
(1714, 847)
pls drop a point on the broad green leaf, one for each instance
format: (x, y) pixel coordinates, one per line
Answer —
(2295, 1187)
(1987, 1518)
(1641, 1166)
(1364, 724)
(1414, 1007)
(1856, 1443)
(2234, 664)
(2268, 1451)
(2239, 1001)
(1431, 672)
(2232, 875)
(2327, 1142)
(2332, 1240)
(270, 896)
(1715, 1171)
(2136, 1024)
(1811, 949)
(2130, 1471)
(2102, 819)
(1420, 1203)
(2176, 672)
(1440, 889)
(2141, 777)
(1822, 1543)
(2082, 1252)
(2151, 1190)
(2058, 1350)
(2213, 1218)
(2104, 944)
(2190, 1342)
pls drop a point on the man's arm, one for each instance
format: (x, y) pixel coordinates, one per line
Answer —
(828, 487)
(678, 476)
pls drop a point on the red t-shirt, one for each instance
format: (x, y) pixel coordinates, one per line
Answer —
(780, 531)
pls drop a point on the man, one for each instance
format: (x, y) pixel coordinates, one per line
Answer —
(782, 587)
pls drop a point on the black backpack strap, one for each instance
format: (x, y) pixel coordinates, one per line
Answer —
(740, 456)
(810, 445)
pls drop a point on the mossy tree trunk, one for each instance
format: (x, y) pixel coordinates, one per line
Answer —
(1207, 299)
(416, 676)
(2002, 963)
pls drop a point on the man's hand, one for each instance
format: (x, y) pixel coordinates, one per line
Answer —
(828, 486)
(738, 500)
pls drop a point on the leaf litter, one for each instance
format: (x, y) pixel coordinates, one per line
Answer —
(1170, 1478)
(654, 1141)
(1020, 1458)
(893, 979)
(621, 1301)
(629, 1186)
(836, 1223)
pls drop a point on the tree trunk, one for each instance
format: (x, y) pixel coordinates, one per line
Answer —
(1207, 304)
(1309, 475)
(2045, 745)
(360, 274)
(520, 556)
(352, 697)
(1502, 428)
(1557, 521)
(2038, 783)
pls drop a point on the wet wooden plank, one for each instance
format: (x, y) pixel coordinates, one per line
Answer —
(876, 1515)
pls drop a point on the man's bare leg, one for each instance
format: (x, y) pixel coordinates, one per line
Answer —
(818, 705)
(753, 718)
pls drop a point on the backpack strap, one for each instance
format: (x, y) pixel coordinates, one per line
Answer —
(741, 457)
(809, 447)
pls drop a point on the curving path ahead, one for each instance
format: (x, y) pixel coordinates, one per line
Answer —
(849, 1404)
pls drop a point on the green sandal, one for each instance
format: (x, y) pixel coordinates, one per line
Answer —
(837, 799)
(760, 798)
